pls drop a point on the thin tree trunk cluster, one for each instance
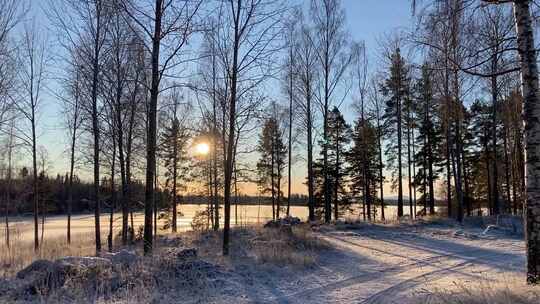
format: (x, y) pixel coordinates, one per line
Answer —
(416, 130)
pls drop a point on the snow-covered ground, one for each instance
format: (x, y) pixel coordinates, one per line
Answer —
(389, 264)
(355, 263)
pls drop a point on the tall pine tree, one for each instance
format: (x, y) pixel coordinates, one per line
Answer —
(396, 89)
(428, 137)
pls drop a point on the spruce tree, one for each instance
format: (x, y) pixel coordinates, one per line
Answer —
(173, 152)
(339, 135)
(363, 160)
(271, 164)
(480, 113)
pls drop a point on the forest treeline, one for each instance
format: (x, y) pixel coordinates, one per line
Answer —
(53, 195)
(160, 95)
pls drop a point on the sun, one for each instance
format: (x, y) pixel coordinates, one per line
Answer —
(202, 148)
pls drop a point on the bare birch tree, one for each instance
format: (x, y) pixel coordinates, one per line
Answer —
(72, 107)
(11, 146)
(33, 61)
(11, 14)
(360, 75)
(306, 71)
(83, 25)
(247, 41)
(331, 45)
(292, 28)
(166, 27)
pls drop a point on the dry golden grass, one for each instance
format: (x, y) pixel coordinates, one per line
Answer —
(354, 222)
(512, 291)
(21, 252)
(274, 253)
(296, 247)
(138, 284)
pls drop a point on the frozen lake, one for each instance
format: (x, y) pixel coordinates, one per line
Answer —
(55, 226)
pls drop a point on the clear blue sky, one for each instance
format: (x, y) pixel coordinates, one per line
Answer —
(367, 20)
(371, 21)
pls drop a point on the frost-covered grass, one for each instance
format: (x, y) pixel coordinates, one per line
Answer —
(298, 246)
(162, 277)
(21, 252)
(267, 245)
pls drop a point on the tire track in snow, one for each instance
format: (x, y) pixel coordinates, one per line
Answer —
(468, 256)
(366, 277)
(435, 275)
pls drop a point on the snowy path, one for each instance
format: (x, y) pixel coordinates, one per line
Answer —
(379, 264)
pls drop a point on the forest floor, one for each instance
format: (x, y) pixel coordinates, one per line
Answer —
(418, 262)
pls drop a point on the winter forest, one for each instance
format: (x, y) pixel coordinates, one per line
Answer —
(258, 151)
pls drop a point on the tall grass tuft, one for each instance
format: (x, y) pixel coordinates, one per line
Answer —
(21, 252)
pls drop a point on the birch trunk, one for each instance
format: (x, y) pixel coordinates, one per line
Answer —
(113, 193)
(311, 202)
(291, 99)
(8, 190)
(151, 136)
(175, 175)
(95, 124)
(531, 109)
(232, 127)
(336, 178)
(494, 162)
(215, 142)
(507, 169)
